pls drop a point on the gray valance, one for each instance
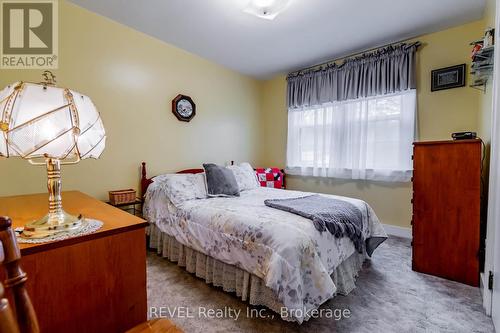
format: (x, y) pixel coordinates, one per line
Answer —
(387, 70)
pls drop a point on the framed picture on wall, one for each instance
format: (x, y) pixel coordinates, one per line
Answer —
(447, 78)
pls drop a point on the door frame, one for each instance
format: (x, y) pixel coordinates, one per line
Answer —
(492, 260)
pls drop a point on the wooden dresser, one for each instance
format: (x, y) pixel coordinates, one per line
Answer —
(94, 283)
(446, 209)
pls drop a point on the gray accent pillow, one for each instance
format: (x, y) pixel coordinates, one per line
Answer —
(221, 181)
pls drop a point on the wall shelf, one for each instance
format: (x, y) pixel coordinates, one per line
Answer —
(481, 68)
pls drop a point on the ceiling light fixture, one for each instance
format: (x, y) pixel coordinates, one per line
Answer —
(266, 9)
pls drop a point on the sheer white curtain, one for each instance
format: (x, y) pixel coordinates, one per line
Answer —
(365, 138)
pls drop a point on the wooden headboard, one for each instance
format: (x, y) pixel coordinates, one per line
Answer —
(145, 181)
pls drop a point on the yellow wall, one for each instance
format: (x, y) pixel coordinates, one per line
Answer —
(132, 79)
(439, 114)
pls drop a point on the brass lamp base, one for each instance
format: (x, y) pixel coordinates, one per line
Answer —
(57, 220)
(52, 224)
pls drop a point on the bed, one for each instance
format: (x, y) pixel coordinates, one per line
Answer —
(266, 256)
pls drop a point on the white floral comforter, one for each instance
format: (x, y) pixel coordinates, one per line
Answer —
(285, 250)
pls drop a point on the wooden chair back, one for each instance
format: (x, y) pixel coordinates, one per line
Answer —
(23, 318)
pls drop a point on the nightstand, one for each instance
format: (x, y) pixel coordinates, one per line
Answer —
(90, 283)
(134, 208)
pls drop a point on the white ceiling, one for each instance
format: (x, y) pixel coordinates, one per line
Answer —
(306, 33)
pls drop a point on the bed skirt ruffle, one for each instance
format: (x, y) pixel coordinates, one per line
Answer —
(230, 278)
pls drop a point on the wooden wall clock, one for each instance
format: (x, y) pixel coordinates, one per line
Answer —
(183, 107)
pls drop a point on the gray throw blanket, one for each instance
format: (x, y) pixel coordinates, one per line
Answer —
(339, 217)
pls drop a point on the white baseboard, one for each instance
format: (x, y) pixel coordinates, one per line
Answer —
(397, 231)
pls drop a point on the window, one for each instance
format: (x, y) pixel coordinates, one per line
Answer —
(365, 138)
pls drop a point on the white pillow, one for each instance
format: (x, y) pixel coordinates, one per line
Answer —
(245, 176)
(182, 187)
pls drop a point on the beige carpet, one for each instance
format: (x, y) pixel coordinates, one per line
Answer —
(389, 297)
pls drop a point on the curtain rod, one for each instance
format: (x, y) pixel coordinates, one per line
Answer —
(417, 43)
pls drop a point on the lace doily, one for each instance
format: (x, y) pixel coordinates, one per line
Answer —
(90, 226)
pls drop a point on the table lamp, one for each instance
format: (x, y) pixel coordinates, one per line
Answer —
(50, 126)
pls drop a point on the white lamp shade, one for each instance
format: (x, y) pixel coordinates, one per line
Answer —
(38, 120)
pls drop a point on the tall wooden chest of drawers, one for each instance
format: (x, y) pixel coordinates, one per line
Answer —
(446, 209)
